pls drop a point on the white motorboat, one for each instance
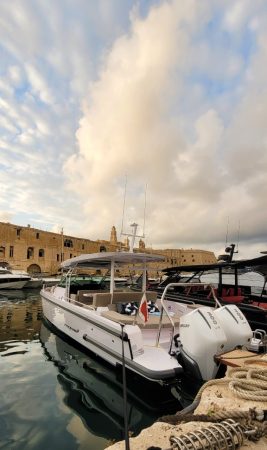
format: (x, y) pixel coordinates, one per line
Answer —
(33, 282)
(50, 281)
(9, 280)
(178, 338)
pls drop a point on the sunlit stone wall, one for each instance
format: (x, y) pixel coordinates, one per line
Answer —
(38, 251)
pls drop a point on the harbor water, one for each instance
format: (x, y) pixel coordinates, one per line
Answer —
(53, 395)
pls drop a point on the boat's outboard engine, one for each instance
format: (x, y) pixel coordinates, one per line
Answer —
(201, 338)
(235, 326)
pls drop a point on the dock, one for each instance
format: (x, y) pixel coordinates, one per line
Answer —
(217, 399)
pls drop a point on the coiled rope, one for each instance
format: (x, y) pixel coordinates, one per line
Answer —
(249, 383)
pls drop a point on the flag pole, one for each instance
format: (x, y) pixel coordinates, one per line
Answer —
(126, 431)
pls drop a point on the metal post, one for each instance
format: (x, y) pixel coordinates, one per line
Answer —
(236, 282)
(112, 276)
(144, 284)
(125, 413)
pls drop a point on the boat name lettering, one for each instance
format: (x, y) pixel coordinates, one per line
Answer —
(239, 314)
(212, 318)
(72, 329)
(185, 325)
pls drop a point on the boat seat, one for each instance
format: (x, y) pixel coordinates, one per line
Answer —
(85, 296)
(233, 298)
(228, 295)
(101, 299)
(153, 320)
(130, 297)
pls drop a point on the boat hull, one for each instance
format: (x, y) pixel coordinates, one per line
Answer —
(13, 284)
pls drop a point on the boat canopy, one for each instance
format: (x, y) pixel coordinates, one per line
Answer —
(105, 259)
(257, 264)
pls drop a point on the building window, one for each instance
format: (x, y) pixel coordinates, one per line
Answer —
(11, 251)
(18, 232)
(82, 246)
(57, 257)
(30, 253)
(37, 235)
(70, 255)
(2, 251)
(68, 243)
(41, 253)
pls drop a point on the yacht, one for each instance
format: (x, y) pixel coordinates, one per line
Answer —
(9, 280)
(161, 345)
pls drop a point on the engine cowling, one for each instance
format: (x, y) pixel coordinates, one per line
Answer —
(201, 338)
(235, 326)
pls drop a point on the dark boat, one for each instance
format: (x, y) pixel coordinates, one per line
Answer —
(252, 303)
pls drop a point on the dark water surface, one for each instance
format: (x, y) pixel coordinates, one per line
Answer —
(53, 395)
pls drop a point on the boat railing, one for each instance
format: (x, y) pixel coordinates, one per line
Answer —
(164, 308)
(81, 304)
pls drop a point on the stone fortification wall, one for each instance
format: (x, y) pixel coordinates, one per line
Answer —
(38, 251)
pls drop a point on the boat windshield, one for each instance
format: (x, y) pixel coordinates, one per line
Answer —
(83, 281)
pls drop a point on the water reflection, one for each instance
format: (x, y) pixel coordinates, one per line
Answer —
(55, 395)
(20, 316)
(94, 390)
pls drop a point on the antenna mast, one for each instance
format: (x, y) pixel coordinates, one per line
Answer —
(144, 212)
(123, 208)
(227, 230)
(238, 235)
(133, 225)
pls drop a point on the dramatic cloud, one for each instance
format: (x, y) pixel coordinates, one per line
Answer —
(171, 95)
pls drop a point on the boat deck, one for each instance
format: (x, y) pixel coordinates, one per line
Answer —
(109, 304)
(153, 320)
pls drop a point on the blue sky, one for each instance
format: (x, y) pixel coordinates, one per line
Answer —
(170, 93)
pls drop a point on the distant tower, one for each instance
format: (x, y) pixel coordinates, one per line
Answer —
(113, 236)
(142, 245)
(127, 243)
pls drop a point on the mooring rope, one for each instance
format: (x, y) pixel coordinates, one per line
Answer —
(249, 383)
(248, 416)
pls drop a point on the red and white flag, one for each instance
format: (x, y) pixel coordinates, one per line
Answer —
(143, 309)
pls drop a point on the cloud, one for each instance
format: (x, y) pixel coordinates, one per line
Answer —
(195, 163)
(171, 94)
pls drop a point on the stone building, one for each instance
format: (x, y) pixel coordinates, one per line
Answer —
(38, 251)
